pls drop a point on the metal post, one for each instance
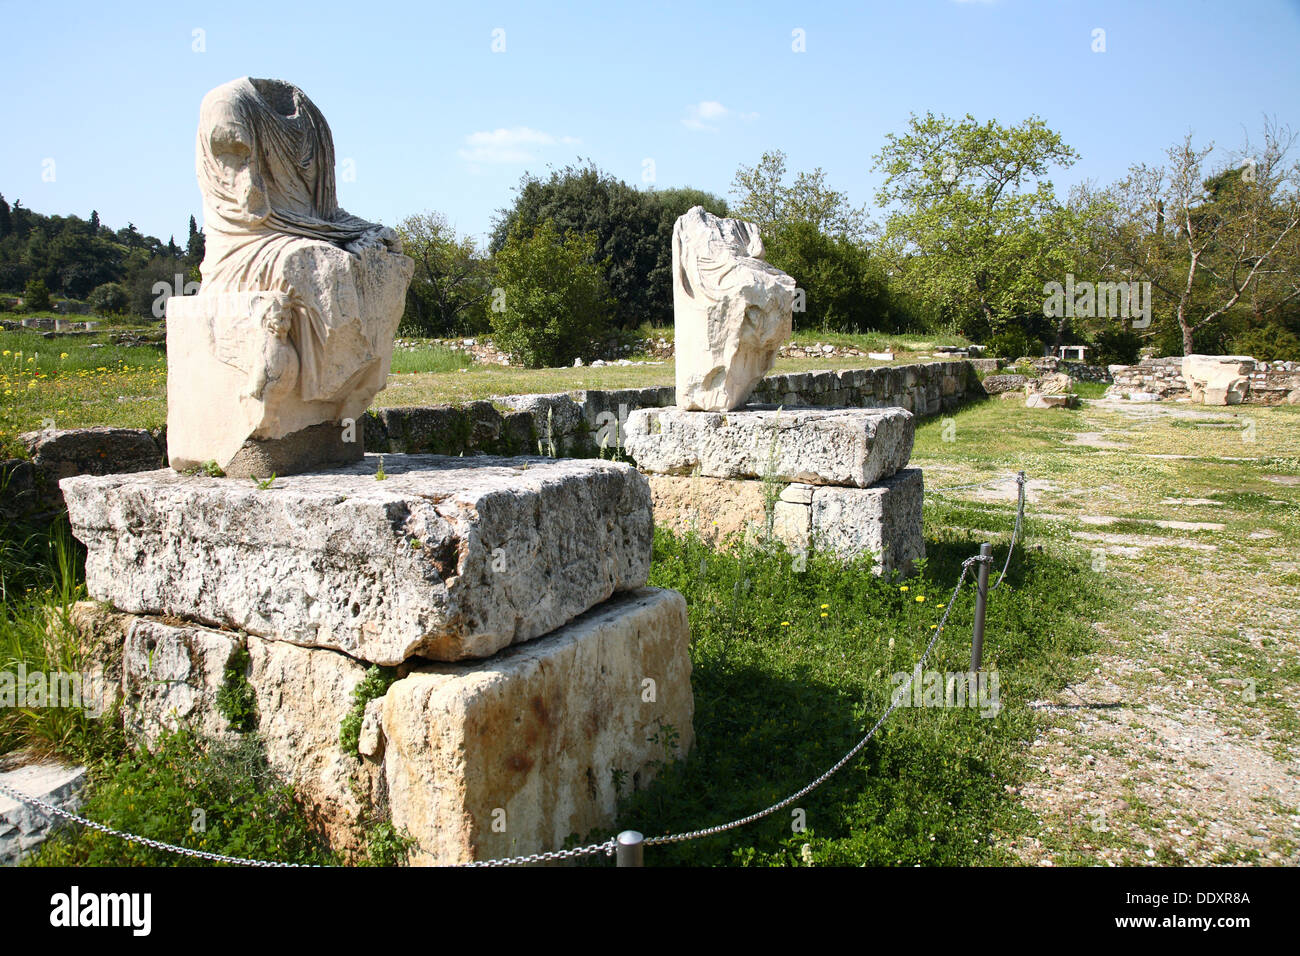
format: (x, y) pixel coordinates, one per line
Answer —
(631, 849)
(981, 598)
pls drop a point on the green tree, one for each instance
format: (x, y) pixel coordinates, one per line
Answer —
(845, 288)
(970, 206)
(6, 220)
(632, 229)
(111, 298)
(36, 296)
(194, 245)
(551, 303)
(448, 292)
(767, 200)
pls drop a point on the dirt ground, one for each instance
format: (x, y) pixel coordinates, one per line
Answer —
(1179, 744)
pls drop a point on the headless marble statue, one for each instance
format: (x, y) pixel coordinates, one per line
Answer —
(291, 333)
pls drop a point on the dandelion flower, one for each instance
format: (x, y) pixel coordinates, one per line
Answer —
(825, 607)
(63, 355)
(903, 588)
(785, 623)
(920, 599)
(824, 614)
(934, 627)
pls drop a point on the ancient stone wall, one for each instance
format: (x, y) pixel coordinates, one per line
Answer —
(1270, 383)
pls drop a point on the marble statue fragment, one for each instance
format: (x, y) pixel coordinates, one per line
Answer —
(290, 336)
(732, 310)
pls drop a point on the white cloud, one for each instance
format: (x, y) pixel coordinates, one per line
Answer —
(518, 144)
(702, 115)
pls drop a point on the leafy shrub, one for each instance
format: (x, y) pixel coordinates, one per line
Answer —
(1012, 342)
(36, 297)
(236, 699)
(846, 289)
(1269, 343)
(551, 304)
(1117, 347)
(111, 298)
(203, 795)
(374, 685)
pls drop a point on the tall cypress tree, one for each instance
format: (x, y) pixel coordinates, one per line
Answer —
(194, 246)
(94, 223)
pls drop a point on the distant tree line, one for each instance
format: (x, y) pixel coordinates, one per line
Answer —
(1200, 252)
(113, 271)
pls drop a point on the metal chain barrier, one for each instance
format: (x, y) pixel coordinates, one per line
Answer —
(50, 810)
(897, 697)
(1015, 532)
(609, 847)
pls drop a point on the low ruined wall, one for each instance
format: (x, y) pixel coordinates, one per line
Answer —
(579, 424)
(1078, 371)
(1270, 383)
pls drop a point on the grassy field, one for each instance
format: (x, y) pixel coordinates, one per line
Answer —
(1145, 641)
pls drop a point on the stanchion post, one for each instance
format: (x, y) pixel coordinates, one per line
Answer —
(631, 849)
(981, 599)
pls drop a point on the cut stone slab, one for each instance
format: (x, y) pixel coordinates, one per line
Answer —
(171, 676)
(853, 447)
(883, 521)
(22, 826)
(447, 558)
(1044, 400)
(512, 756)
(1218, 379)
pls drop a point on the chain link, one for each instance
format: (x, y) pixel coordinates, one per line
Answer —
(50, 810)
(608, 847)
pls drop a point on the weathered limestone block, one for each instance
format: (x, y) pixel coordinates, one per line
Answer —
(303, 694)
(447, 558)
(1055, 383)
(23, 827)
(997, 384)
(544, 737)
(1218, 379)
(291, 333)
(171, 677)
(713, 508)
(883, 521)
(849, 446)
(732, 310)
(1046, 400)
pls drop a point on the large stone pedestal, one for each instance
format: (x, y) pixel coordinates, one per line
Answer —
(502, 757)
(824, 446)
(445, 558)
(882, 522)
(843, 482)
(483, 745)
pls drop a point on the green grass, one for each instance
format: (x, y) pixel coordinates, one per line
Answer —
(218, 797)
(82, 381)
(777, 704)
(77, 382)
(423, 358)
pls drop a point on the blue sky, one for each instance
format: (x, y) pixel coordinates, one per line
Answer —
(430, 118)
